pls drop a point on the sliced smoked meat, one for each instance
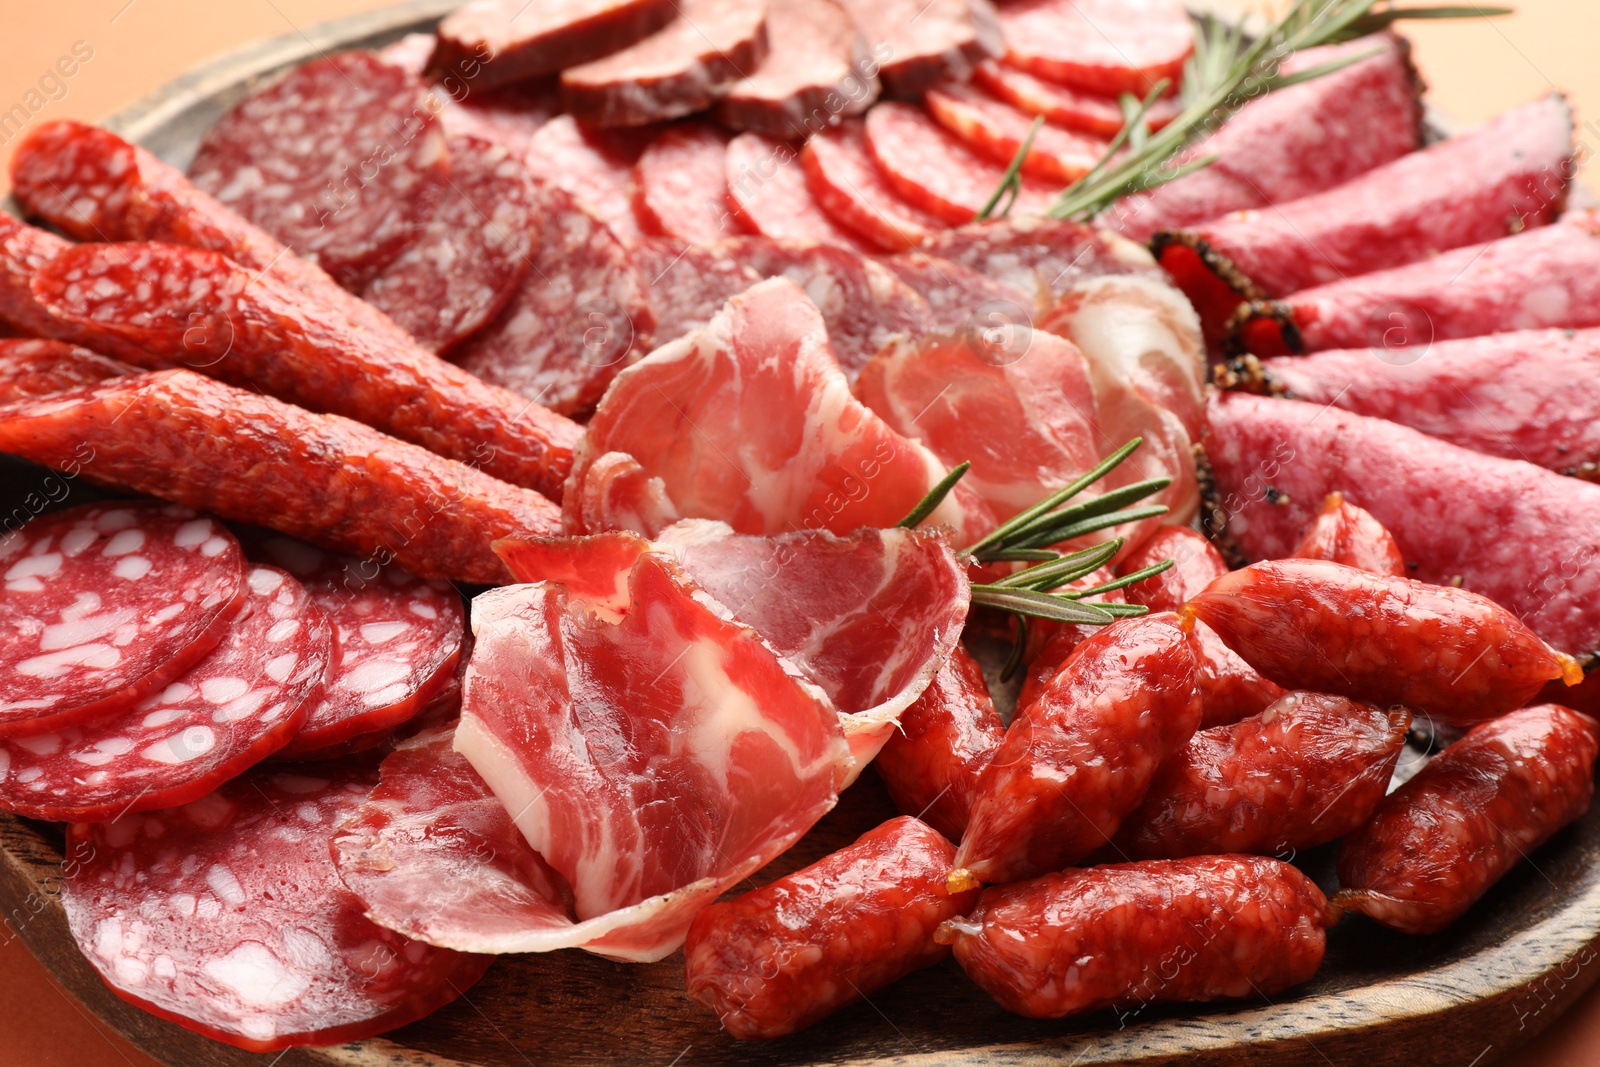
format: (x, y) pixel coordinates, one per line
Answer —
(496, 42)
(817, 72)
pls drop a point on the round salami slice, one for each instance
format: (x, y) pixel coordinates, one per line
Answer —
(338, 160)
(242, 702)
(849, 186)
(38, 368)
(472, 253)
(1102, 46)
(994, 128)
(105, 604)
(509, 116)
(560, 345)
(228, 917)
(1063, 105)
(688, 283)
(595, 166)
(396, 641)
(1043, 257)
(680, 185)
(767, 189)
(958, 297)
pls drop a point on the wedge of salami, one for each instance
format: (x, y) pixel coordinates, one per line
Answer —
(249, 458)
(1503, 177)
(957, 296)
(680, 185)
(509, 116)
(1042, 257)
(39, 368)
(688, 284)
(1528, 394)
(559, 345)
(595, 166)
(338, 160)
(1102, 46)
(919, 43)
(504, 41)
(1549, 276)
(227, 916)
(934, 170)
(230, 710)
(1062, 105)
(818, 71)
(680, 70)
(993, 128)
(107, 603)
(198, 309)
(768, 194)
(848, 185)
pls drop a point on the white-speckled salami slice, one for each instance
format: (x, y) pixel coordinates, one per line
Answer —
(105, 604)
(471, 255)
(239, 704)
(228, 917)
(767, 191)
(680, 186)
(508, 116)
(688, 283)
(595, 166)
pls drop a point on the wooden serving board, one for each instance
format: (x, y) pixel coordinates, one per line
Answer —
(1460, 999)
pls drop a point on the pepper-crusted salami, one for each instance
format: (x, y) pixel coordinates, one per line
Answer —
(848, 185)
(338, 160)
(778, 959)
(198, 309)
(1453, 654)
(1062, 105)
(767, 192)
(595, 166)
(38, 368)
(920, 42)
(496, 42)
(995, 129)
(1474, 812)
(227, 916)
(1080, 758)
(1133, 934)
(680, 185)
(1103, 46)
(1350, 535)
(107, 603)
(818, 70)
(234, 707)
(253, 459)
(560, 344)
(687, 284)
(471, 254)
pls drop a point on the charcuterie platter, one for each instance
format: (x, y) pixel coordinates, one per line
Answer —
(450, 942)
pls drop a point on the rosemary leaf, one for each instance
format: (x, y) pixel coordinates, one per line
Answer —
(1011, 180)
(1059, 572)
(1005, 530)
(1020, 555)
(1019, 646)
(935, 497)
(1123, 582)
(1039, 605)
(1126, 611)
(1374, 21)
(1049, 534)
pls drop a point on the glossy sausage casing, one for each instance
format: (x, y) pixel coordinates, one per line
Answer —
(1353, 536)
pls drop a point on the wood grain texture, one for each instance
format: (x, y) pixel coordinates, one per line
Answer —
(1468, 996)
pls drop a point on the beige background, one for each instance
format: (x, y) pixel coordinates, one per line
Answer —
(1476, 68)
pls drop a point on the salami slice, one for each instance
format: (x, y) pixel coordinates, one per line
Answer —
(957, 296)
(595, 166)
(1549, 276)
(105, 604)
(338, 160)
(227, 916)
(559, 345)
(768, 194)
(395, 646)
(919, 43)
(1528, 394)
(863, 304)
(23, 250)
(1061, 105)
(680, 185)
(688, 284)
(818, 72)
(234, 707)
(680, 70)
(848, 185)
(199, 309)
(994, 128)
(249, 458)
(504, 41)
(1102, 46)
(471, 254)
(936, 171)
(1043, 257)
(510, 116)
(38, 368)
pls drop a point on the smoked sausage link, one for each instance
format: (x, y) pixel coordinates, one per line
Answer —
(1353, 536)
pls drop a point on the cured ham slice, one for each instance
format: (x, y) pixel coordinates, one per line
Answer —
(767, 189)
(1102, 46)
(935, 171)
(849, 186)
(958, 296)
(595, 166)
(680, 185)
(817, 71)
(995, 129)
(1064, 106)
(751, 421)
(921, 42)
(730, 757)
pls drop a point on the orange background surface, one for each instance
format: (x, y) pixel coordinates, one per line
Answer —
(1476, 68)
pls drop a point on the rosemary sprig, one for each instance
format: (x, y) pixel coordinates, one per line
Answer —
(1011, 181)
(935, 497)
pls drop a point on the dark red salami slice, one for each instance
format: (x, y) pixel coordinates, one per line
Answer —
(227, 916)
(1062, 105)
(994, 128)
(595, 166)
(768, 194)
(396, 642)
(253, 459)
(471, 255)
(201, 310)
(559, 345)
(509, 116)
(709, 45)
(105, 604)
(817, 71)
(1043, 257)
(338, 160)
(688, 283)
(680, 186)
(1102, 46)
(848, 185)
(239, 704)
(918, 43)
(935, 171)
(496, 42)
(39, 368)
(957, 296)
(1549, 276)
